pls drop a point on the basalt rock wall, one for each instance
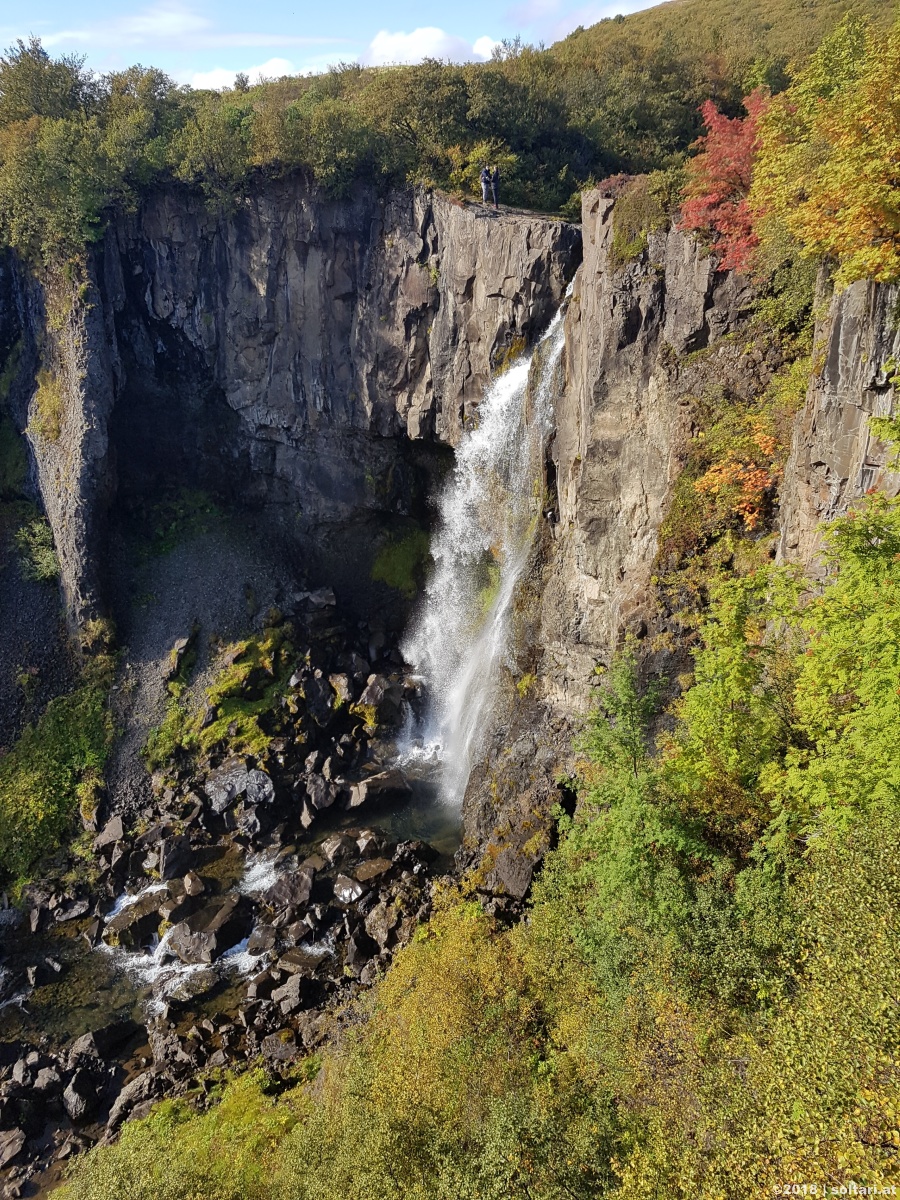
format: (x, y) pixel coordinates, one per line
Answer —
(308, 355)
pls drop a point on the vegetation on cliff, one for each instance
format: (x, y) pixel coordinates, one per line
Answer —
(701, 1001)
(623, 96)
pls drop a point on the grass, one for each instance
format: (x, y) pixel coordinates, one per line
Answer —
(401, 563)
(34, 541)
(47, 407)
(51, 772)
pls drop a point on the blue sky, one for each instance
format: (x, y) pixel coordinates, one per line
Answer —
(204, 42)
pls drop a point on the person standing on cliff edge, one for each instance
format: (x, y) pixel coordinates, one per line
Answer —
(495, 185)
(486, 184)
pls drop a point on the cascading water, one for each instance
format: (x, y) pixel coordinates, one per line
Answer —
(488, 514)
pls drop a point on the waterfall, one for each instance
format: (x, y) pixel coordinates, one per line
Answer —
(487, 516)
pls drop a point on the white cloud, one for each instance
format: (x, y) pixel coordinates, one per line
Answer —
(173, 24)
(428, 42)
(484, 47)
(220, 77)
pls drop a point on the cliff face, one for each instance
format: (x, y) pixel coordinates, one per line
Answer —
(835, 458)
(302, 353)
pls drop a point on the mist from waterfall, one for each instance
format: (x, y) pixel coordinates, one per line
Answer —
(487, 517)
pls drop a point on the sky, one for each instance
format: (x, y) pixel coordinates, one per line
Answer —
(204, 43)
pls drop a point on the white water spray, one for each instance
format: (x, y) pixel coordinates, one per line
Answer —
(488, 514)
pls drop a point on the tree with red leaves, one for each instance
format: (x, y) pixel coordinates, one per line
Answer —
(719, 178)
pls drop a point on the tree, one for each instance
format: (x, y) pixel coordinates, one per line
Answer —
(719, 181)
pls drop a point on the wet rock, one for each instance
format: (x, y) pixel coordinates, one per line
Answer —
(262, 939)
(291, 891)
(387, 786)
(303, 960)
(192, 987)
(234, 780)
(12, 1143)
(175, 856)
(347, 890)
(136, 925)
(373, 868)
(369, 843)
(385, 696)
(206, 935)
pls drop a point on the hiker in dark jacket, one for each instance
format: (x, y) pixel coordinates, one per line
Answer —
(486, 184)
(495, 184)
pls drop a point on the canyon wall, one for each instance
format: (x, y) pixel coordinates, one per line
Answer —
(303, 353)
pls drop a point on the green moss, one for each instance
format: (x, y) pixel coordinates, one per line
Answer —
(401, 563)
(49, 772)
(245, 689)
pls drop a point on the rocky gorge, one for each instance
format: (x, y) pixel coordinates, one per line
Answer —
(313, 365)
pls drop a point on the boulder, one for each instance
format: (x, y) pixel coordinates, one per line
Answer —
(206, 935)
(234, 780)
(381, 922)
(373, 868)
(102, 1042)
(303, 960)
(387, 786)
(337, 847)
(290, 891)
(279, 1047)
(175, 856)
(113, 831)
(262, 939)
(12, 1143)
(289, 997)
(193, 884)
(137, 924)
(347, 890)
(144, 1087)
(80, 1096)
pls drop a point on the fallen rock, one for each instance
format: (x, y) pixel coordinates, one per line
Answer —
(12, 1143)
(373, 868)
(137, 923)
(206, 935)
(279, 1047)
(337, 847)
(386, 786)
(290, 891)
(233, 780)
(113, 831)
(381, 922)
(80, 1096)
(193, 884)
(144, 1087)
(262, 939)
(347, 890)
(175, 856)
